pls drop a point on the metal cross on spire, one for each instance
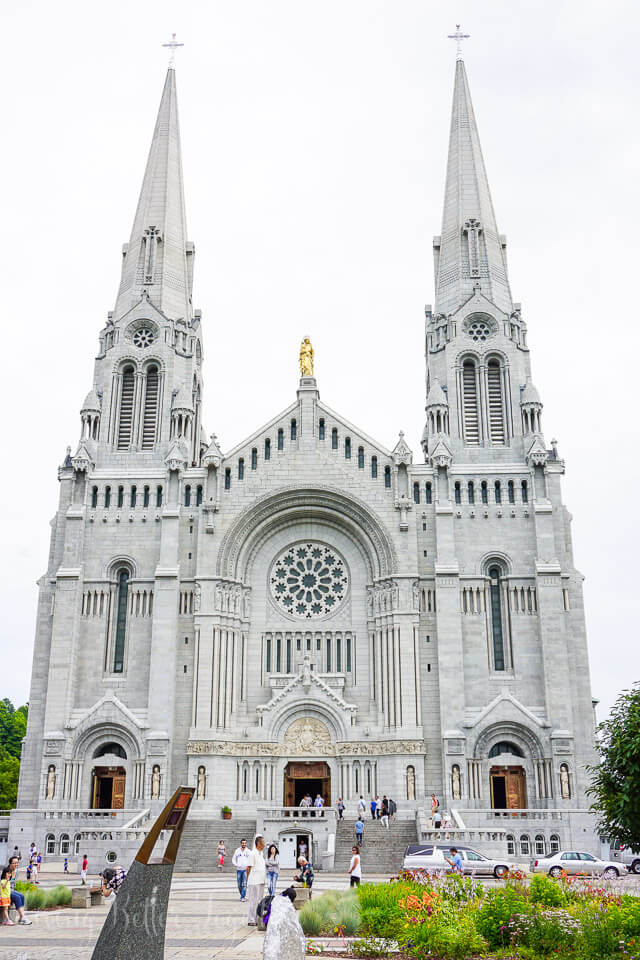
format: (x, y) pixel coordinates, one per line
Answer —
(173, 46)
(458, 36)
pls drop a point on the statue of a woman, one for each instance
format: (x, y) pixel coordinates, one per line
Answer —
(565, 788)
(306, 358)
(51, 782)
(202, 782)
(455, 782)
(155, 782)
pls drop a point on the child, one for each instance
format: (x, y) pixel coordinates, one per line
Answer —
(222, 852)
(28, 871)
(66, 865)
(5, 897)
(83, 871)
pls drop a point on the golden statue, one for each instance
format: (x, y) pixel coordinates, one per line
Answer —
(306, 358)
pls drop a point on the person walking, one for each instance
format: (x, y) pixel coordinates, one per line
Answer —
(393, 806)
(361, 806)
(384, 816)
(66, 865)
(273, 869)
(340, 808)
(372, 807)
(83, 870)
(256, 876)
(240, 860)
(437, 819)
(17, 898)
(222, 852)
(355, 868)
(435, 804)
(359, 829)
(378, 807)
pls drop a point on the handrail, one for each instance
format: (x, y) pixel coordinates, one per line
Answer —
(143, 815)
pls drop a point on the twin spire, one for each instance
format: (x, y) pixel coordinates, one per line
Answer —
(469, 253)
(158, 259)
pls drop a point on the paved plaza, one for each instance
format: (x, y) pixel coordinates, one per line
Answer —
(206, 920)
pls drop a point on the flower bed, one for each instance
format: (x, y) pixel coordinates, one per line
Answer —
(456, 918)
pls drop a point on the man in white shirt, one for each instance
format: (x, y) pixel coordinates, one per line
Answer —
(240, 860)
(256, 877)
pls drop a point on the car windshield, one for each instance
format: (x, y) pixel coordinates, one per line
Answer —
(474, 855)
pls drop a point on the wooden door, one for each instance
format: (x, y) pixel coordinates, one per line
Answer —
(289, 791)
(515, 786)
(117, 797)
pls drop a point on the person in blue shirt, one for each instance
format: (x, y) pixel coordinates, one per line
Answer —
(359, 828)
(455, 860)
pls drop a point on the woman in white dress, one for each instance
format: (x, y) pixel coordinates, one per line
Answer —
(284, 939)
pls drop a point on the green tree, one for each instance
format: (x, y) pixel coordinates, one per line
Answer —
(615, 786)
(13, 726)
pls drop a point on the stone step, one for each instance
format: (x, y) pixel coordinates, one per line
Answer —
(199, 843)
(382, 850)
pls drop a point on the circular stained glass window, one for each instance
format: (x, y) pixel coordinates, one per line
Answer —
(309, 580)
(143, 337)
(479, 330)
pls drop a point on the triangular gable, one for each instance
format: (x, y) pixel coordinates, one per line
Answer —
(116, 709)
(306, 680)
(506, 697)
(478, 301)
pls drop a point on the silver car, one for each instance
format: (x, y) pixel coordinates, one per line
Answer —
(433, 857)
(576, 862)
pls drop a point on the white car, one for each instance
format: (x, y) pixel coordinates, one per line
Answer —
(576, 862)
(432, 857)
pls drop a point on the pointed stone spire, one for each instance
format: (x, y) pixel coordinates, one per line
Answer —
(158, 260)
(470, 253)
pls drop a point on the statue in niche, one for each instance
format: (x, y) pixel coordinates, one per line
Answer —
(197, 597)
(565, 787)
(306, 358)
(411, 783)
(218, 597)
(456, 791)
(416, 600)
(155, 782)
(202, 783)
(51, 782)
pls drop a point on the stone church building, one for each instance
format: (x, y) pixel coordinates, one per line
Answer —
(311, 611)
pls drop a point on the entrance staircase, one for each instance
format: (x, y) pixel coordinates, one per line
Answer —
(382, 850)
(199, 843)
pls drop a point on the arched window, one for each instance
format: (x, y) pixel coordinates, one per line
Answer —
(267, 449)
(134, 496)
(294, 429)
(484, 492)
(65, 845)
(554, 843)
(50, 844)
(505, 746)
(374, 467)
(145, 497)
(150, 415)
(187, 495)
(113, 748)
(348, 654)
(280, 439)
(245, 779)
(361, 457)
(125, 422)
(368, 769)
(321, 428)
(511, 492)
(94, 497)
(525, 491)
(471, 494)
(496, 401)
(511, 845)
(428, 493)
(77, 840)
(457, 492)
(120, 496)
(416, 493)
(121, 621)
(498, 492)
(538, 845)
(387, 477)
(470, 416)
(227, 478)
(198, 495)
(495, 590)
(107, 496)
(254, 458)
(525, 846)
(334, 438)
(241, 468)
(347, 448)
(158, 496)
(356, 776)
(268, 657)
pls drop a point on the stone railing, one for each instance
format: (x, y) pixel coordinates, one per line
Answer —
(521, 814)
(296, 813)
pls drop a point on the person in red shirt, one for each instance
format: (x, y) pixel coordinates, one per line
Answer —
(83, 870)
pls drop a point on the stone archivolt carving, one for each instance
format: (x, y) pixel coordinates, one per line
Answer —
(308, 735)
(323, 748)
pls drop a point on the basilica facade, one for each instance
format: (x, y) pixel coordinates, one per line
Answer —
(310, 611)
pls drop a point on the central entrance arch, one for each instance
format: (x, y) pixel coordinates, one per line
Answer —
(302, 777)
(107, 790)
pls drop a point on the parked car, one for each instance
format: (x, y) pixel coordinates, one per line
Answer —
(625, 855)
(432, 857)
(576, 862)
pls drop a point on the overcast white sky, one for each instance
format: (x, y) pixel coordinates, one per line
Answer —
(314, 141)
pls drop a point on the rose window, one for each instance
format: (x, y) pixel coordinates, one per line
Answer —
(479, 330)
(143, 337)
(309, 580)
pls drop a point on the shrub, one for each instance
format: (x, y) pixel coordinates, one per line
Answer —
(544, 890)
(325, 914)
(548, 931)
(498, 908)
(380, 911)
(25, 886)
(348, 917)
(58, 897)
(35, 900)
(456, 937)
(310, 919)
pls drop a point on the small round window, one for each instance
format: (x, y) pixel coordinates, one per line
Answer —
(143, 337)
(112, 856)
(479, 330)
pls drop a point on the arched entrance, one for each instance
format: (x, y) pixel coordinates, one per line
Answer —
(302, 777)
(508, 788)
(107, 789)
